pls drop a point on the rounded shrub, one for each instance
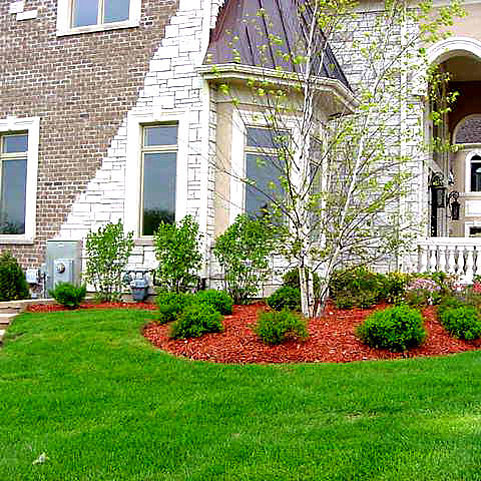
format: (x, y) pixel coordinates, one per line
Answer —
(13, 285)
(219, 300)
(172, 304)
(196, 320)
(68, 294)
(277, 327)
(285, 298)
(461, 321)
(396, 328)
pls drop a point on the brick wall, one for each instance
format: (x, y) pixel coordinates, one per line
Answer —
(82, 87)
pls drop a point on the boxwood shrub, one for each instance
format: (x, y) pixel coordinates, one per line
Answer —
(69, 295)
(396, 328)
(277, 327)
(196, 320)
(461, 321)
(285, 298)
(172, 304)
(219, 300)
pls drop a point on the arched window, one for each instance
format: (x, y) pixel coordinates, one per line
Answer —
(468, 130)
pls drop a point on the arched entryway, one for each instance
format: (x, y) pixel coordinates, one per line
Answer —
(457, 172)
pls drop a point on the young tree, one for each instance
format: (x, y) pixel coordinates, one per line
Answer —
(341, 184)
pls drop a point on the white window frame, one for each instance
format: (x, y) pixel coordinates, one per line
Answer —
(64, 19)
(240, 124)
(467, 172)
(133, 171)
(31, 126)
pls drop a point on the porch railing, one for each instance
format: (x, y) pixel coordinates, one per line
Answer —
(453, 255)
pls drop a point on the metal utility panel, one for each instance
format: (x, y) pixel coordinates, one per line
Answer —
(64, 262)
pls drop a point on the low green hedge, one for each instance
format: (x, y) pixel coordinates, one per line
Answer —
(397, 328)
(277, 327)
(196, 320)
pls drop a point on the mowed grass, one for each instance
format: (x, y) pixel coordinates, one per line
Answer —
(88, 390)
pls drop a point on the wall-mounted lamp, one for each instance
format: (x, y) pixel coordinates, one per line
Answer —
(454, 205)
(439, 190)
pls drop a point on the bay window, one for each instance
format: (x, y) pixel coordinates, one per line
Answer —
(264, 169)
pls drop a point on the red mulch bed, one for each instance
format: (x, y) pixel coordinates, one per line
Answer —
(103, 305)
(331, 339)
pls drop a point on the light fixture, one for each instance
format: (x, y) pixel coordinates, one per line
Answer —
(439, 190)
(454, 205)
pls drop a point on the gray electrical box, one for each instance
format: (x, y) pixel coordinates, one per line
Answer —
(64, 262)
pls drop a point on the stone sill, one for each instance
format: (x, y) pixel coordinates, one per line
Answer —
(16, 241)
(98, 28)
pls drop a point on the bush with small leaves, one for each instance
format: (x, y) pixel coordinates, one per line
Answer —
(243, 252)
(394, 286)
(461, 321)
(178, 252)
(363, 286)
(13, 285)
(108, 252)
(172, 304)
(278, 327)
(219, 300)
(397, 328)
(196, 320)
(69, 295)
(285, 298)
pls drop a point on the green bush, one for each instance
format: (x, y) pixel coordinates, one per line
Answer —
(364, 287)
(13, 285)
(291, 279)
(108, 252)
(285, 298)
(396, 328)
(68, 294)
(243, 252)
(178, 252)
(172, 304)
(460, 321)
(196, 320)
(450, 302)
(394, 286)
(219, 300)
(277, 327)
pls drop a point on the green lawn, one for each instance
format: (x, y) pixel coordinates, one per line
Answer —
(88, 390)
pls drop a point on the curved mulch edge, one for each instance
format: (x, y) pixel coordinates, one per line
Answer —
(101, 305)
(332, 340)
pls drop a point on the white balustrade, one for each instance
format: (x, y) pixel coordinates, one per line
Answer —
(454, 255)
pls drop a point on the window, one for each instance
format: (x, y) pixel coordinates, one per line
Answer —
(264, 169)
(19, 139)
(476, 174)
(82, 16)
(13, 182)
(93, 12)
(159, 166)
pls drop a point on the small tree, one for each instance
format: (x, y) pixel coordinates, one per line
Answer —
(108, 252)
(178, 253)
(243, 252)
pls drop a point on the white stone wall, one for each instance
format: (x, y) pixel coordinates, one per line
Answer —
(361, 28)
(171, 85)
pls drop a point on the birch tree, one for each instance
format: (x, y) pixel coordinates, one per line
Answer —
(339, 184)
